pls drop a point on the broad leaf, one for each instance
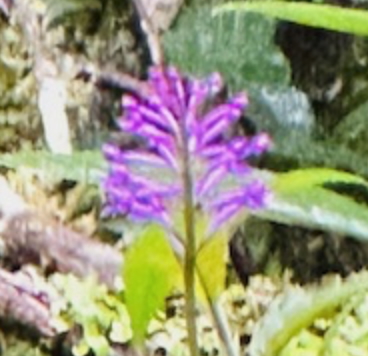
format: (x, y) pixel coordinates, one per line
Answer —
(330, 17)
(320, 198)
(283, 111)
(242, 49)
(300, 151)
(151, 271)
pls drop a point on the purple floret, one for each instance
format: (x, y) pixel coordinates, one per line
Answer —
(144, 182)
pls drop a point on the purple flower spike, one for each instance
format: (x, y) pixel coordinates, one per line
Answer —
(145, 182)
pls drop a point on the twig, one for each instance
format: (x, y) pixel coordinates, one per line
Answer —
(32, 238)
(152, 34)
(113, 79)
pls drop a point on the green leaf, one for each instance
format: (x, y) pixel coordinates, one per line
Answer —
(151, 271)
(82, 166)
(242, 49)
(301, 179)
(101, 314)
(284, 111)
(211, 264)
(299, 151)
(330, 17)
(319, 198)
(97, 342)
(296, 308)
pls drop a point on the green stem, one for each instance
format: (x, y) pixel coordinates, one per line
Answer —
(190, 302)
(190, 251)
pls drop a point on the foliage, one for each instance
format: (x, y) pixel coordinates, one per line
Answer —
(319, 198)
(101, 315)
(301, 151)
(352, 131)
(318, 15)
(82, 166)
(199, 43)
(211, 265)
(151, 272)
(280, 331)
(242, 48)
(310, 190)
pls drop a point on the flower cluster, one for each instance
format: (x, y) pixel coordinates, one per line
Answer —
(183, 115)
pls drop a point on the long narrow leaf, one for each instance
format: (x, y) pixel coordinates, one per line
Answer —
(306, 197)
(330, 17)
(82, 166)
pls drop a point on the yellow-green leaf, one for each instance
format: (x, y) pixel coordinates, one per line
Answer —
(211, 264)
(151, 271)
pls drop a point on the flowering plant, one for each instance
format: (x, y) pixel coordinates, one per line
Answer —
(187, 166)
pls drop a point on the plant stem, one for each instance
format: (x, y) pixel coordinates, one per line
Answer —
(190, 303)
(190, 250)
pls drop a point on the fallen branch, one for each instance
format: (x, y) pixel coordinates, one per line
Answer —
(30, 238)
